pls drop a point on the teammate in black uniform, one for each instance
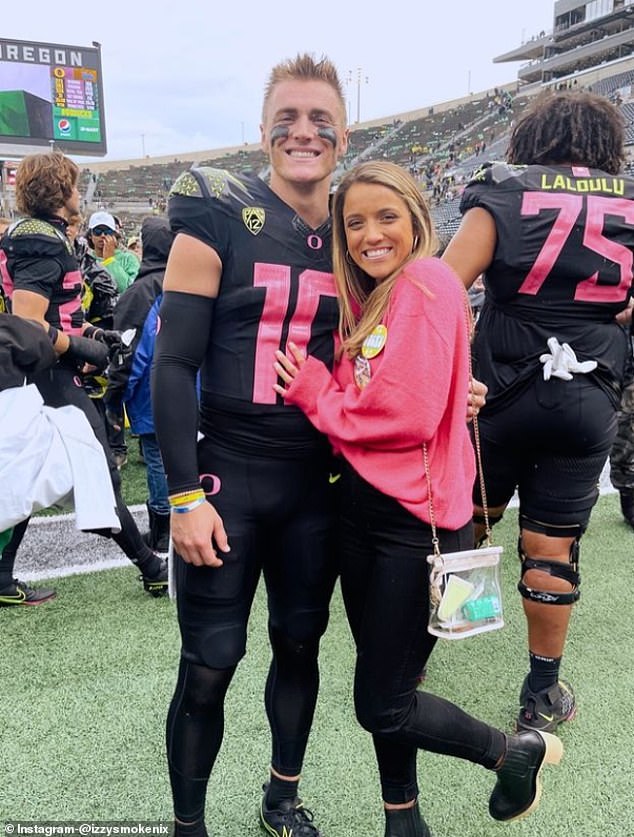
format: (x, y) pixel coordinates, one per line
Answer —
(554, 233)
(250, 268)
(41, 277)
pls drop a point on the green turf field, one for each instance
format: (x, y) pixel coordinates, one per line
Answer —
(86, 681)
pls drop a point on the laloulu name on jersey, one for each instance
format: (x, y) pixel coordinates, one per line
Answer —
(604, 185)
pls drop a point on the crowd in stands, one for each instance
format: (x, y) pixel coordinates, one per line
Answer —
(440, 148)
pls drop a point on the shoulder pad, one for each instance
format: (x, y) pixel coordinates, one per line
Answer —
(187, 185)
(480, 175)
(207, 182)
(45, 232)
(496, 172)
(32, 226)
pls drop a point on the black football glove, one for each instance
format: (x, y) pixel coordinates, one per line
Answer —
(84, 350)
(111, 338)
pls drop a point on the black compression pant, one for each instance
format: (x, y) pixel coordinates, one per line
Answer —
(279, 517)
(551, 443)
(385, 585)
(60, 386)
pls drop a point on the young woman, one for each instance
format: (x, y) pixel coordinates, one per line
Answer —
(401, 382)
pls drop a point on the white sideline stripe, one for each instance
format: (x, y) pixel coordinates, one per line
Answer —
(74, 569)
(112, 563)
(77, 569)
(60, 518)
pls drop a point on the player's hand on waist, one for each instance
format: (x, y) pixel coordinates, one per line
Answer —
(199, 536)
(624, 317)
(477, 397)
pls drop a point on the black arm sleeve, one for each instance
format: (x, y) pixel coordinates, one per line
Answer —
(181, 343)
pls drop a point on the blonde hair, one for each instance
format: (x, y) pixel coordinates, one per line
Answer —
(304, 68)
(357, 291)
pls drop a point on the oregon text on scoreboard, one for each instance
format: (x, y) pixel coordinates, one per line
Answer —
(52, 94)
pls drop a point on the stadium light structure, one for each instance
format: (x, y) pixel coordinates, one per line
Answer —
(348, 96)
(360, 77)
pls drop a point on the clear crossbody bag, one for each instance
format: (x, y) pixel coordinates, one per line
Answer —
(465, 597)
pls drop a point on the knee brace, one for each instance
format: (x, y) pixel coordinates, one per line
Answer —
(556, 569)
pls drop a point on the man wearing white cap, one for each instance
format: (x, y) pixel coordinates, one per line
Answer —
(103, 237)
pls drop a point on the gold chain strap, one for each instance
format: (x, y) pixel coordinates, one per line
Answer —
(476, 437)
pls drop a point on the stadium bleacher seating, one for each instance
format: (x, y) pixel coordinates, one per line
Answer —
(441, 147)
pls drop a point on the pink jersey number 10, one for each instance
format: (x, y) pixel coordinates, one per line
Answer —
(276, 278)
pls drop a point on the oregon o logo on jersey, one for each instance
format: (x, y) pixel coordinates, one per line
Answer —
(253, 217)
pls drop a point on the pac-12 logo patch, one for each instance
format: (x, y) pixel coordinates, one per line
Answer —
(253, 217)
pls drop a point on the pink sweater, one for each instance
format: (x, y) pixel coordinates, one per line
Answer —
(417, 393)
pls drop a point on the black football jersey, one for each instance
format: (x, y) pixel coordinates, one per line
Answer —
(36, 256)
(276, 286)
(562, 267)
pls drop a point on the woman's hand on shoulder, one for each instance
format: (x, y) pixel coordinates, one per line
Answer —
(288, 367)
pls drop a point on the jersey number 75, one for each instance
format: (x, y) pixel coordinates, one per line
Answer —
(570, 208)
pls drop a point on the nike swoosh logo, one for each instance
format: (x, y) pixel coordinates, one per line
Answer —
(332, 478)
(548, 718)
(17, 599)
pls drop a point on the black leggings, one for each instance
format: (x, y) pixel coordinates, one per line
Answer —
(60, 386)
(279, 517)
(385, 585)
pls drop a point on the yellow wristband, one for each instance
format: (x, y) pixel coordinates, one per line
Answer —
(186, 498)
(187, 491)
(108, 261)
(188, 507)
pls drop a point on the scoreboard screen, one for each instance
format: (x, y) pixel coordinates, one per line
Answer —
(51, 95)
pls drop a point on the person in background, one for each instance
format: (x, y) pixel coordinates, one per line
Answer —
(404, 330)
(134, 246)
(25, 349)
(5, 223)
(553, 232)
(103, 238)
(99, 292)
(41, 277)
(129, 381)
(98, 298)
(622, 451)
